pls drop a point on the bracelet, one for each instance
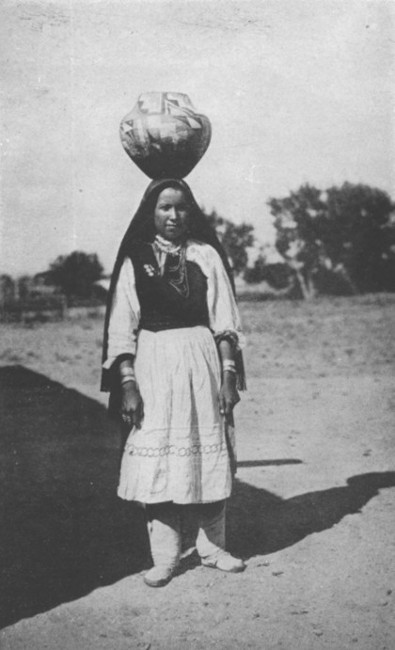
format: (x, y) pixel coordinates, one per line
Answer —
(228, 365)
(127, 372)
(126, 380)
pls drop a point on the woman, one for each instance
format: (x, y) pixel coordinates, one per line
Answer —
(173, 365)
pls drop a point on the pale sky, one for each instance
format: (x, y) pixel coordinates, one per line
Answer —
(296, 90)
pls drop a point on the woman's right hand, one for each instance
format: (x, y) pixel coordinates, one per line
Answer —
(132, 411)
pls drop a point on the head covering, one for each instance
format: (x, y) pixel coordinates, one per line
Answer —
(142, 228)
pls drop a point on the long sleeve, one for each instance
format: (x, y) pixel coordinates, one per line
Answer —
(124, 317)
(223, 313)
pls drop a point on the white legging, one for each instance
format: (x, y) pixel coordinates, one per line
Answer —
(164, 527)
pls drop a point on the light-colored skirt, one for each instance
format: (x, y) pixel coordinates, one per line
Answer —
(183, 449)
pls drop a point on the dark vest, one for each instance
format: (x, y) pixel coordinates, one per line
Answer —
(162, 306)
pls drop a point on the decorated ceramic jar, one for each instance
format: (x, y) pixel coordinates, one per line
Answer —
(164, 135)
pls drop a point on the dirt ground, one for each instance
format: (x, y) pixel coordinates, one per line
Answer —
(312, 509)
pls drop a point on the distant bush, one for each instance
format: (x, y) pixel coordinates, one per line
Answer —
(278, 276)
(85, 302)
(75, 274)
(39, 309)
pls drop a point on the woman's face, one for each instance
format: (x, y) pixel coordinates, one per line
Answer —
(171, 214)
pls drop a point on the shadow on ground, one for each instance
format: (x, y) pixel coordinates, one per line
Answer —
(64, 532)
(261, 522)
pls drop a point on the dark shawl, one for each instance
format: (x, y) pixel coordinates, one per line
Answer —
(142, 228)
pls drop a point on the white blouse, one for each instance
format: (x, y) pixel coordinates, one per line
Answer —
(125, 312)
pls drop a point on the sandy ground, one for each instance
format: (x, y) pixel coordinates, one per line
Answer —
(312, 510)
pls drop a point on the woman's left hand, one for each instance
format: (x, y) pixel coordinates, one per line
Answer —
(228, 395)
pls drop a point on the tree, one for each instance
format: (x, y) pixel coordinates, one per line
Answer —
(345, 232)
(235, 238)
(7, 289)
(24, 286)
(297, 221)
(359, 233)
(75, 274)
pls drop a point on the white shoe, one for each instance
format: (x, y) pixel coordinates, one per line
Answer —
(159, 576)
(224, 562)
